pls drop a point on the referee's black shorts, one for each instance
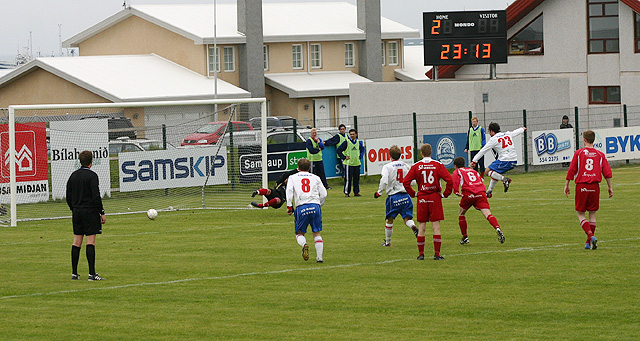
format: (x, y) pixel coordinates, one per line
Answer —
(86, 221)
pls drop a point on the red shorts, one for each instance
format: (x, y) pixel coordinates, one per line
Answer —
(479, 201)
(587, 197)
(430, 208)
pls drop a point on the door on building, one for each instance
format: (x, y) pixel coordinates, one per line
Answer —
(343, 110)
(321, 112)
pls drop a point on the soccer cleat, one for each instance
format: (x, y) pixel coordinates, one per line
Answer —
(346, 195)
(415, 231)
(594, 243)
(319, 261)
(254, 193)
(506, 183)
(437, 257)
(421, 257)
(357, 195)
(489, 194)
(255, 204)
(329, 187)
(75, 276)
(464, 240)
(587, 246)
(95, 277)
(386, 244)
(500, 235)
(305, 252)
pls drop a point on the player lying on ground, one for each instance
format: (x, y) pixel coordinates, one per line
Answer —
(398, 201)
(473, 194)
(307, 192)
(276, 196)
(587, 168)
(502, 143)
(427, 173)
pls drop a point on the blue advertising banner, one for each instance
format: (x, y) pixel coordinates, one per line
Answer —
(446, 147)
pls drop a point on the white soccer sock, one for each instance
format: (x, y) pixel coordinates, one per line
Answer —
(497, 176)
(301, 239)
(492, 184)
(319, 247)
(388, 231)
(411, 224)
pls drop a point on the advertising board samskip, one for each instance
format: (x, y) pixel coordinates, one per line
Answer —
(182, 167)
(68, 139)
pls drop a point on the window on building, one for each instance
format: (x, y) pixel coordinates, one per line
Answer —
(528, 40)
(349, 60)
(603, 26)
(265, 56)
(229, 59)
(604, 95)
(316, 56)
(393, 53)
(637, 32)
(384, 57)
(214, 59)
(297, 56)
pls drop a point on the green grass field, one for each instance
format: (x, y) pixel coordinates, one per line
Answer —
(223, 274)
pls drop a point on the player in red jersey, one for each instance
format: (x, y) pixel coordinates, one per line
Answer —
(473, 194)
(587, 168)
(428, 173)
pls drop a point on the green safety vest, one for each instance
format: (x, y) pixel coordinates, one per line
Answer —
(475, 138)
(314, 157)
(353, 152)
(342, 139)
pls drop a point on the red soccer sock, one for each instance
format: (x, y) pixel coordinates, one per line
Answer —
(271, 202)
(593, 227)
(462, 221)
(437, 240)
(421, 244)
(493, 221)
(263, 191)
(586, 227)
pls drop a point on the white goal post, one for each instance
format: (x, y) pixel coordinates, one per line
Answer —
(175, 108)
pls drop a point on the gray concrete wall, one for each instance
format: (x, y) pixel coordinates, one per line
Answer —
(250, 66)
(370, 50)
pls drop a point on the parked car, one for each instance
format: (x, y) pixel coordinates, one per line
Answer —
(125, 144)
(211, 132)
(119, 126)
(276, 122)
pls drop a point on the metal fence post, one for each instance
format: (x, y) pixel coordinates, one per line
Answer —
(526, 141)
(355, 122)
(415, 138)
(470, 117)
(624, 112)
(232, 158)
(295, 129)
(575, 109)
(164, 136)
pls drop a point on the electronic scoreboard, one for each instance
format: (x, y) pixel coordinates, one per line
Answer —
(456, 38)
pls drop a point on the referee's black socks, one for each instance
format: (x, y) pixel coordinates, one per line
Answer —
(91, 258)
(75, 256)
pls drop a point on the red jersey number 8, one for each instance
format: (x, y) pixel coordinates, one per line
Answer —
(305, 185)
(506, 141)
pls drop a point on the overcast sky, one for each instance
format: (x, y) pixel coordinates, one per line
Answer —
(42, 17)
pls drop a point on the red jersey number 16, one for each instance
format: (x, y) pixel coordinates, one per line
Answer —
(428, 179)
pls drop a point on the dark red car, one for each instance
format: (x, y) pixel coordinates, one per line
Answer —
(211, 132)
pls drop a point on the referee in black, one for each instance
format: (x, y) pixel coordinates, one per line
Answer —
(85, 202)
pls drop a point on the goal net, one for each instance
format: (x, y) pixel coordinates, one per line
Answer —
(162, 155)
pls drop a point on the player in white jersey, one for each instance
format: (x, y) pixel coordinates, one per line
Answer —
(309, 194)
(398, 201)
(502, 143)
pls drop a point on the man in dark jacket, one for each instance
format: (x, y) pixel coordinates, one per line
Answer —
(85, 202)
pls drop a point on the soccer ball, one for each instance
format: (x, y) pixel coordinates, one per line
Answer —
(152, 214)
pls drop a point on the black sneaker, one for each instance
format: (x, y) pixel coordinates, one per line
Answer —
(415, 231)
(500, 235)
(346, 195)
(357, 195)
(506, 183)
(437, 257)
(255, 204)
(489, 194)
(75, 276)
(421, 257)
(319, 261)
(594, 243)
(95, 277)
(305, 252)
(464, 240)
(386, 244)
(254, 193)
